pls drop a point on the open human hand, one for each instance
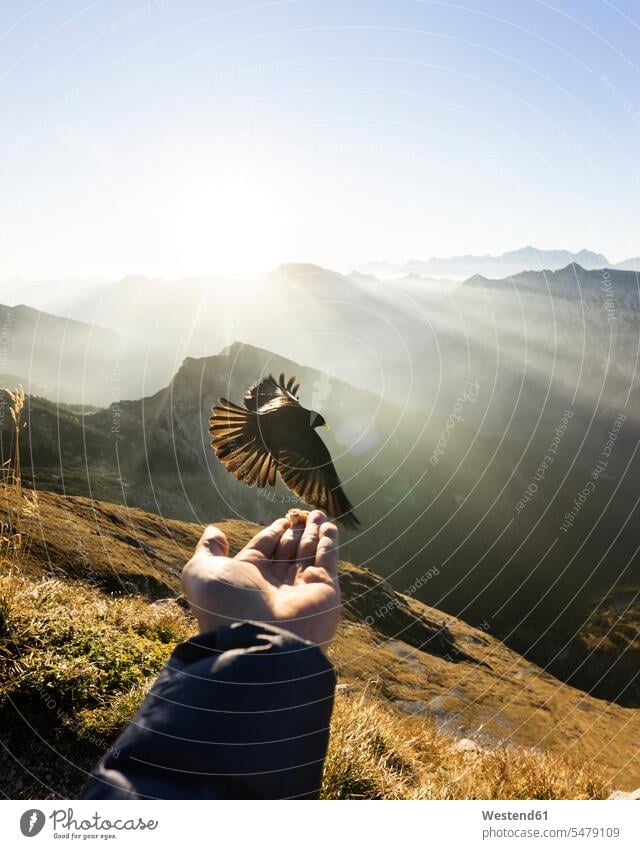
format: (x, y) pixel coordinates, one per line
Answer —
(287, 575)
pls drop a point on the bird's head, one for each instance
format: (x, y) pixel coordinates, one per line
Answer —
(316, 420)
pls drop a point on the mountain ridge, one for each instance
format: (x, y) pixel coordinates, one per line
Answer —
(500, 265)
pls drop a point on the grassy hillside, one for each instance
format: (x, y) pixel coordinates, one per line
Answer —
(428, 706)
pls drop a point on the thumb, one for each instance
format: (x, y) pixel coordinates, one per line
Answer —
(215, 541)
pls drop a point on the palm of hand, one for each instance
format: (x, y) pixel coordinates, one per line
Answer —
(287, 576)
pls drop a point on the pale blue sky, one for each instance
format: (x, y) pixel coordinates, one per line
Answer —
(183, 136)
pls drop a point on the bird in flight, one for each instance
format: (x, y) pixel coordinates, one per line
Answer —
(274, 434)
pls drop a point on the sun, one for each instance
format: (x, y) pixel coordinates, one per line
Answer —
(230, 224)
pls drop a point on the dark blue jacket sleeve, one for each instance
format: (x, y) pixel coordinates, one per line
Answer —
(239, 713)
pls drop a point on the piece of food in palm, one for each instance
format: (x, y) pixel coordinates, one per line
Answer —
(297, 516)
(273, 434)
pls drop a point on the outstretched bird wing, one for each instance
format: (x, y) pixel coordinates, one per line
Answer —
(310, 473)
(270, 393)
(236, 436)
(238, 444)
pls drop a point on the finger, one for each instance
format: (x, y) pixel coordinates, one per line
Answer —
(266, 542)
(287, 549)
(309, 539)
(328, 549)
(215, 541)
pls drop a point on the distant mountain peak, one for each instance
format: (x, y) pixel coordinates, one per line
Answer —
(631, 264)
(237, 347)
(527, 258)
(135, 278)
(300, 269)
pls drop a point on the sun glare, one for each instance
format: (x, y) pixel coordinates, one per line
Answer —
(230, 226)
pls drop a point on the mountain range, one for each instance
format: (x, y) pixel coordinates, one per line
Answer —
(358, 327)
(503, 265)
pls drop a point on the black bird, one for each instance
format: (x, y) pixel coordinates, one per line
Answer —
(275, 434)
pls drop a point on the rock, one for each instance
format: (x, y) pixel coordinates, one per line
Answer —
(414, 707)
(623, 794)
(164, 602)
(467, 745)
(406, 653)
(344, 690)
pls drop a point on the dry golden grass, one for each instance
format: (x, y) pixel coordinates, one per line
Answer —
(376, 753)
(75, 664)
(370, 754)
(73, 645)
(15, 505)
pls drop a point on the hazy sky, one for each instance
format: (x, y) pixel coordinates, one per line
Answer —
(184, 136)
